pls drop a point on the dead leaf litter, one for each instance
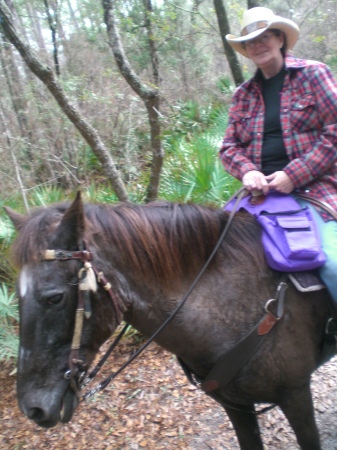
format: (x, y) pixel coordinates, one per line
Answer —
(152, 406)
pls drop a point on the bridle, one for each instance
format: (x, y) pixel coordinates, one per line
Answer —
(88, 277)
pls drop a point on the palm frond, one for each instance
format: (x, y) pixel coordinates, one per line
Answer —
(9, 343)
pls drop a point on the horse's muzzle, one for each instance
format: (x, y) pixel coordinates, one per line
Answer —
(46, 408)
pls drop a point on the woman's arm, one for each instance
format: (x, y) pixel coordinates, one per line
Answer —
(235, 152)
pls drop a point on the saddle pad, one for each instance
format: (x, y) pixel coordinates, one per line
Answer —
(306, 281)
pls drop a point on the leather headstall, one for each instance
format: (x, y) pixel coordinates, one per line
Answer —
(88, 277)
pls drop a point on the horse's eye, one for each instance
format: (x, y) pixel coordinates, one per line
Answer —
(55, 299)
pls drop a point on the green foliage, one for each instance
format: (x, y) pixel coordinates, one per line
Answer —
(7, 233)
(43, 196)
(99, 194)
(9, 316)
(104, 193)
(8, 305)
(187, 119)
(193, 172)
(225, 85)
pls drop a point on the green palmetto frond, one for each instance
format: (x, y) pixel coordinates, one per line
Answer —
(193, 172)
(9, 316)
(9, 343)
(43, 196)
(8, 305)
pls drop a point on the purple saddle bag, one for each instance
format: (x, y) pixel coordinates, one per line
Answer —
(289, 233)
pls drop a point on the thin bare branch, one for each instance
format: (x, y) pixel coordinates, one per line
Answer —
(46, 75)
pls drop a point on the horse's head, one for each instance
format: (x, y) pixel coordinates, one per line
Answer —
(49, 291)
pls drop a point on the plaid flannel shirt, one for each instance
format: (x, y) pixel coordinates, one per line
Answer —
(309, 125)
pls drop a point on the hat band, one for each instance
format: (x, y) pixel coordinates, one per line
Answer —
(254, 26)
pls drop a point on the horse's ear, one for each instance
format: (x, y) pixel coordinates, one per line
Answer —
(70, 232)
(17, 219)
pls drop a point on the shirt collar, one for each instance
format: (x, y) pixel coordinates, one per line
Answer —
(295, 63)
(291, 63)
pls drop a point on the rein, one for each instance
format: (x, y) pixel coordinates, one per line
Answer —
(225, 368)
(88, 276)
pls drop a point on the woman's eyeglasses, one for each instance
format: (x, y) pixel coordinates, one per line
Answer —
(263, 39)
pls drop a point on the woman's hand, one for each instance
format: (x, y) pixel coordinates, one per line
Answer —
(280, 182)
(255, 180)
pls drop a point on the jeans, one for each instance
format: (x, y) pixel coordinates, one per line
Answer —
(328, 236)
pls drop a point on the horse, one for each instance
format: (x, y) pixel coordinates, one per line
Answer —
(151, 254)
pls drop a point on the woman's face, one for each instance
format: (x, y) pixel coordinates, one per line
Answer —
(265, 52)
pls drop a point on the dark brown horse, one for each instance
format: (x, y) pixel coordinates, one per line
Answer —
(150, 255)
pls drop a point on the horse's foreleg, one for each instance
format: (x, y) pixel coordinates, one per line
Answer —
(246, 428)
(298, 409)
(244, 422)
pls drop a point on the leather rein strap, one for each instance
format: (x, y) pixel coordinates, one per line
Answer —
(85, 256)
(238, 196)
(219, 375)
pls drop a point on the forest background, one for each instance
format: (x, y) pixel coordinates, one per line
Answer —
(125, 100)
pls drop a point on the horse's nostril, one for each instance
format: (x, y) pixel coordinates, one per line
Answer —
(43, 415)
(36, 414)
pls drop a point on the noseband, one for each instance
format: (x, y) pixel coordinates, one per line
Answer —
(88, 277)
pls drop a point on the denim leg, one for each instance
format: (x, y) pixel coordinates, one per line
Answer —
(328, 235)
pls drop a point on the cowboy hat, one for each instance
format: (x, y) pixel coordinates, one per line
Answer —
(257, 20)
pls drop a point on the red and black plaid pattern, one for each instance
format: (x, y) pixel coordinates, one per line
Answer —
(309, 125)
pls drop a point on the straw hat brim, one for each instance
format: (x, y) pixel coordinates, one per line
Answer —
(289, 28)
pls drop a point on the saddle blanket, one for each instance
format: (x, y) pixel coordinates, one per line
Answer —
(306, 281)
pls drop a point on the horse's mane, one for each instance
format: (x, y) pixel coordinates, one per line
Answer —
(158, 239)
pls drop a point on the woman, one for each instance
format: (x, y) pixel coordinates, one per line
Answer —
(282, 129)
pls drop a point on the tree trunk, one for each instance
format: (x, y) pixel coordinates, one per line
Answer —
(151, 41)
(48, 78)
(53, 21)
(150, 96)
(229, 51)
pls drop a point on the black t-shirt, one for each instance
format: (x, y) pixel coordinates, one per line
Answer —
(274, 156)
